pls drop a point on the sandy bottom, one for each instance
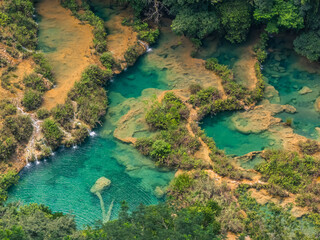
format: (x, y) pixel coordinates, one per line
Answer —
(66, 43)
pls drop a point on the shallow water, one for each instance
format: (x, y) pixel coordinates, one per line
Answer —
(289, 73)
(222, 130)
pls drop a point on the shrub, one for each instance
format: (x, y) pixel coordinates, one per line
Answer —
(63, 113)
(43, 67)
(20, 126)
(35, 82)
(7, 108)
(107, 59)
(7, 180)
(194, 88)
(144, 145)
(204, 97)
(168, 114)
(309, 147)
(32, 100)
(181, 183)
(80, 134)
(160, 150)
(90, 94)
(288, 170)
(7, 146)
(52, 133)
(43, 113)
(132, 54)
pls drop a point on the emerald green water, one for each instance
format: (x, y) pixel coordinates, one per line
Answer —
(222, 130)
(64, 180)
(289, 73)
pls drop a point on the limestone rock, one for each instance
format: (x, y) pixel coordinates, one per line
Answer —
(159, 192)
(305, 90)
(100, 185)
(317, 104)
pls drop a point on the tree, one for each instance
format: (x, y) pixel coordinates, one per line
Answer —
(235, 19)
(308, 45)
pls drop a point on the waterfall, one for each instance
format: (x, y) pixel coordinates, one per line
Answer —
(146, 46)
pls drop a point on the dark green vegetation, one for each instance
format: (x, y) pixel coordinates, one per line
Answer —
(17, 26)
(233, 19)
(16, 129)
(32, 100)
(52, 132)
(288, 170)
(90, 95)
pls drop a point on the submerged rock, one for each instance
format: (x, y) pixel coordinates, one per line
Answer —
(100, 185)
(317, 104)
(159, 192)
(305, 90)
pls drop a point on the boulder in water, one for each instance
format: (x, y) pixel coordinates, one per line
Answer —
(317, 104)
(305, 90)
(100, 185)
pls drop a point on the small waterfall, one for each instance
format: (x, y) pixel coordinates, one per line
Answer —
(146, 46)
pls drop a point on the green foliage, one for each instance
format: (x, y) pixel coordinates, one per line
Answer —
(194, 88)
(160, 222)
(20, 127)
(204, 97)
(308, 44)
(168, 114)
(79, 134)
(288, 170)
(52, 133)
(35, 82)
(8, 145)
(43, 113)
(145, 33)
(132, 54)
(160, 149)
(32, 100)
(278, 13)
(181, 183)
(63, 113)
(7, 180)
(71, 4)
(43, 67)
(34, 222)
(107, 59)
(7, 108)
(89, 94)
(309, 146)
(235, 19)
(271, 221)
(195, 24)
(17, 16)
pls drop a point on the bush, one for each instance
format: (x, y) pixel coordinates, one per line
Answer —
(43, 67)
(181, 183)
(90, 95)
(132, 54)
(52, 133)
(80, 134)
(309, 147)
(43, 113)
(194, 88)
(160, 150)
(7, 180)
(168, 114)
(288, 170)
(204, 97)
(20, 126)
(63, 113)
(8, 146)
(32, 100)
(35, 82)
(107, 59)
(7, 108)
(144, 145)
